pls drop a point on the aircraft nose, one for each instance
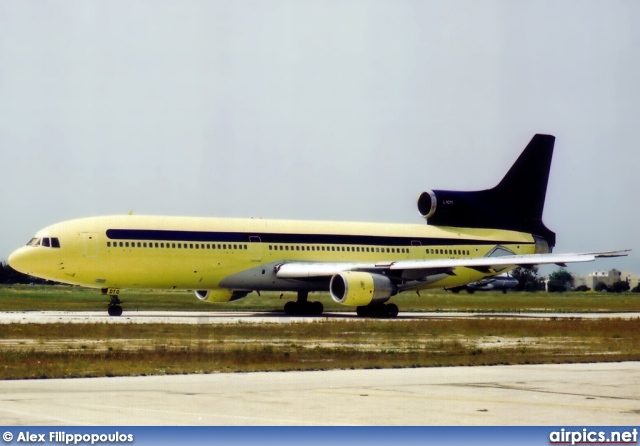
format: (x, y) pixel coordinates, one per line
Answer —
(19, 261)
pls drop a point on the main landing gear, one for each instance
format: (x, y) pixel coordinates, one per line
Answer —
(114, 308)
(378, 310)
(302, 307)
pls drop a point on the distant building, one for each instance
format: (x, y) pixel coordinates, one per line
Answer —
(607, 277)
(632, 278)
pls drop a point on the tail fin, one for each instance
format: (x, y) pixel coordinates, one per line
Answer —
(515, 204)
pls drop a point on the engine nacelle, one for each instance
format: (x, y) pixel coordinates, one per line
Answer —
(355, 288)
(221, 295)
(453, 208)
(489, 209)
(479, 209)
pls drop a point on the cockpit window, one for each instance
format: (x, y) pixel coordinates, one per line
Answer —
(47, 242)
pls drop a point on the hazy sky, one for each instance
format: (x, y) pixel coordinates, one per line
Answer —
(331, 110)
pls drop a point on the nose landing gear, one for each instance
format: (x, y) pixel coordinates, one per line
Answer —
(114, 308)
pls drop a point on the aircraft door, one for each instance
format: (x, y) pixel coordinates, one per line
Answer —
(255, 248)
(90, 242)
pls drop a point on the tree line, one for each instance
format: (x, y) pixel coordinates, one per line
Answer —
(562, 280)
(9, 276)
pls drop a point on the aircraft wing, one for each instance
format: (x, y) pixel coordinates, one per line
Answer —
(300, 270)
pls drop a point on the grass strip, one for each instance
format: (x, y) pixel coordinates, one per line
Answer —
(89, 350)
(66, 298)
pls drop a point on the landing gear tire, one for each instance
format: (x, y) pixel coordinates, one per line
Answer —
(293, 308)
(378, 311)
(302, 307)
(317, 308)
(392, 310)
(114, 310)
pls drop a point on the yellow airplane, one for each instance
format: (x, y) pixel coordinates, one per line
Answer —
(469, 236)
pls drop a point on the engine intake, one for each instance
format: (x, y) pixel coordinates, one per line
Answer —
(356, 288)
(427, 203)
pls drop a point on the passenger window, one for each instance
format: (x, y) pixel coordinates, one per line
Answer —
(108, 244)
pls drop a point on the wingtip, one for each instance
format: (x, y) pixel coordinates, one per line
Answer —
(620, 253)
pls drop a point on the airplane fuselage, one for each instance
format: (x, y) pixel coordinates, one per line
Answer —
(243, 254)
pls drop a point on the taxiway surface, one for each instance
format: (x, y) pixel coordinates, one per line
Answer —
(568, 394)
(230, 317)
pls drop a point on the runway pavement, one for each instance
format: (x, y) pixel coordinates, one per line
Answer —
(570, 394)
(230, 317)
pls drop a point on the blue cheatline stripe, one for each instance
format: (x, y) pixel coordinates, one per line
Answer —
(276, 238)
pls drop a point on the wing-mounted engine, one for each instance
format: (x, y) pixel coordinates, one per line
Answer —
(515, 204)
(356, 288)
(220, 295)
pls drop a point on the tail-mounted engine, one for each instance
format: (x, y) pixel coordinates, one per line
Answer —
(356, 288)
(515, 204)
